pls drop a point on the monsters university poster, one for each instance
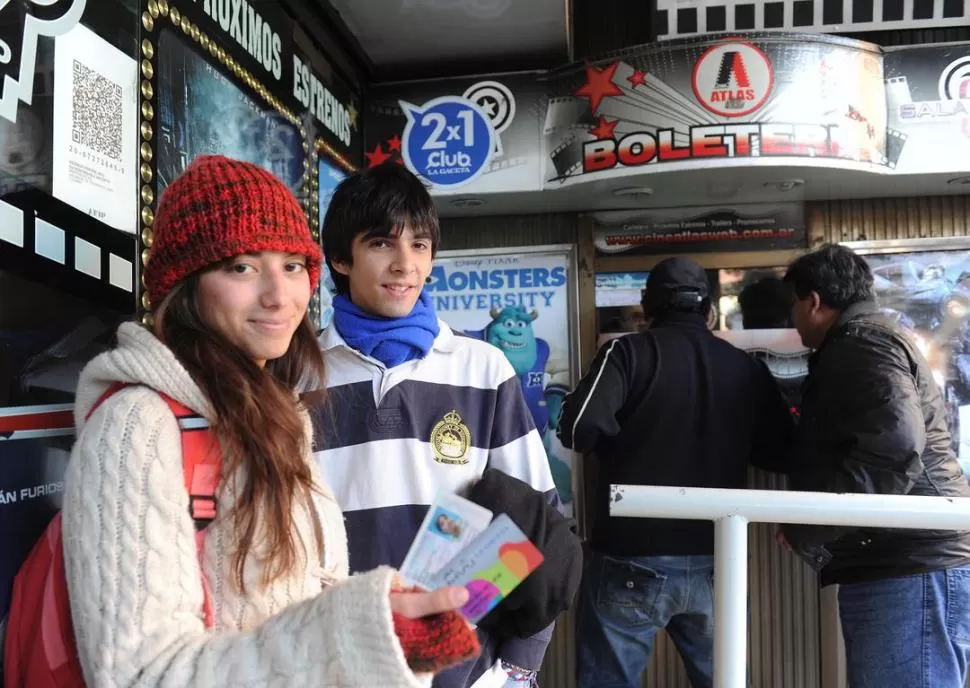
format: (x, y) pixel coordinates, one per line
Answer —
(521, 303)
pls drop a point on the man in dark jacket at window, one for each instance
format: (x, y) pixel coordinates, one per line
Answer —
(873, 422)
(672, 405)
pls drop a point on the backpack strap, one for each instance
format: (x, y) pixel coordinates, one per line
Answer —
(201, 462)
(201, 471)
(114, 387)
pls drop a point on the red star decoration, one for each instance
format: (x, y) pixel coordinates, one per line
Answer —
(599, 84)
(377, 157)
(605, 128)
(394, 143)
(638, 78)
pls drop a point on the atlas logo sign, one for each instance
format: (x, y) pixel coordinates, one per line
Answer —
(21, 24)
(733, 79)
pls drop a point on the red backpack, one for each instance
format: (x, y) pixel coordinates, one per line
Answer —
(39, 649)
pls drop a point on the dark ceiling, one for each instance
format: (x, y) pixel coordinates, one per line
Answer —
(414, 39)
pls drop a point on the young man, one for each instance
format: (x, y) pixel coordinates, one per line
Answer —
(671, 405)
(873, 421)
(413, 408)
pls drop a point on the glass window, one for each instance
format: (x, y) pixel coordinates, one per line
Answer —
(618, 301)
(753, 299)
(755, 315)
(929, 294)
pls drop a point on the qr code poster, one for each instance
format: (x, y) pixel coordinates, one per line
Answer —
(95, 128)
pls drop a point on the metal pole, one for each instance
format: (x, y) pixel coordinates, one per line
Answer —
(730, 601)
(774, 506)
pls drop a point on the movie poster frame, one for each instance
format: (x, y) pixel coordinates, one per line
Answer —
(157, 15)
(571, 253)
(316, 228)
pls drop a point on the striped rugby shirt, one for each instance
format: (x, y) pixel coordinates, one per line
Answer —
(377, 443)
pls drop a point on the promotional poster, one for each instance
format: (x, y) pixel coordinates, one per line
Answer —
(329, 178)
(202, 112)
(928, 94)
(700, 230)
(261, 37)
(46, 338)
(929, 294)
(26, 141)
(31, 492)
(96, 128)
(713, 99)
(74, 136)
(460, 135)
(24, 27)
(520, 303)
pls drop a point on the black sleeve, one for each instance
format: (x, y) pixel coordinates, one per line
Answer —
(875, 433)
(773, 426)
(589, 411)
(872, 433)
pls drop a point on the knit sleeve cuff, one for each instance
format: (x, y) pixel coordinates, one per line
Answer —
(360, 634)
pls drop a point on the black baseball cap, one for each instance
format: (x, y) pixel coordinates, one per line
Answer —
(676, 279)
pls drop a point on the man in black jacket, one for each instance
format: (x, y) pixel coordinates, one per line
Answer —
(873, 422)
(672, 405)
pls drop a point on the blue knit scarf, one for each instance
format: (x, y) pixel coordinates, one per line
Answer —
(392, 341)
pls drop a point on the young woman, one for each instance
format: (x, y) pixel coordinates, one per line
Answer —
(231, 273)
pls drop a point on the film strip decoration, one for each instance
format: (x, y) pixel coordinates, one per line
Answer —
(675, 19)
(44, 239)
(157, 15)
(897, 93)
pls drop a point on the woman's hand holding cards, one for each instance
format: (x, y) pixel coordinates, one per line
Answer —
(414, 603)
(433, 635)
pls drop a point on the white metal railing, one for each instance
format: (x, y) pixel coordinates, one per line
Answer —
(733, 510)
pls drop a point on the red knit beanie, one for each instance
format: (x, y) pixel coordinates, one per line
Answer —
(219, 208)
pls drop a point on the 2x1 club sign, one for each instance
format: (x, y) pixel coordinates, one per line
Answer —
(733, 79)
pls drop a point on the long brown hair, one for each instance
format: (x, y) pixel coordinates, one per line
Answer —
(257, 420)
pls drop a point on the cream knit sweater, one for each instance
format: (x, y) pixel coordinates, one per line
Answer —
(133, 573)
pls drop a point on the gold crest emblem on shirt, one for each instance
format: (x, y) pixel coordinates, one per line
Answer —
(451, 439)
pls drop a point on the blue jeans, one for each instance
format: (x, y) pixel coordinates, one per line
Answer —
(909, 632)
(625, 601)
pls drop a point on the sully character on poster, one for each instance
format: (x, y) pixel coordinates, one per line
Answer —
(543, 378)
(511, 331)
(561, 473)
